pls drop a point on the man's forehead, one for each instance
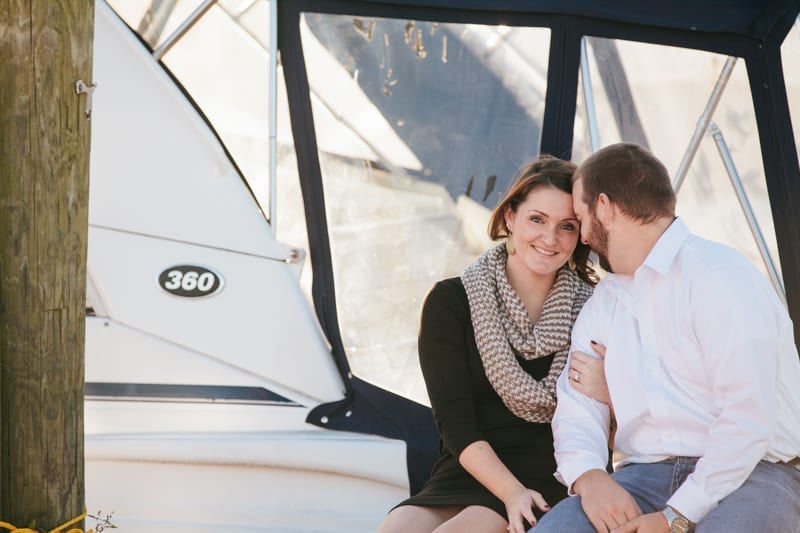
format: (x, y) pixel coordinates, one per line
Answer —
(577, 189)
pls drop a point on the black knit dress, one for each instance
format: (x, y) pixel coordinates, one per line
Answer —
(467, 409)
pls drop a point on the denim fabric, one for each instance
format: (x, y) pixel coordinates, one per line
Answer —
(767, 502)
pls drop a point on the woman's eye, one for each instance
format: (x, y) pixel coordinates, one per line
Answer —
(568, 227)
(536, 219)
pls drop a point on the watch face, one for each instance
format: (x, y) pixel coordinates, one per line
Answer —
(679, 525)
(677, 522)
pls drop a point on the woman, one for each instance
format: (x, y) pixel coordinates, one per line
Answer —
(492, 344)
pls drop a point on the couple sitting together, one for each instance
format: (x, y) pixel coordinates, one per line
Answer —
(682, 360)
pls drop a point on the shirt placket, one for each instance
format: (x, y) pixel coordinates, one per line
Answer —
(656, 383)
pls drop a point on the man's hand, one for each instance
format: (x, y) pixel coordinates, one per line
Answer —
(607, 505)
(647, 523)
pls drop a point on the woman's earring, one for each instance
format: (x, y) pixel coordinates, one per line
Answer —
(571, 263)
(510, 244)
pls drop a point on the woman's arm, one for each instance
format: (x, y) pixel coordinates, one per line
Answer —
(444, 330)
(480, 460)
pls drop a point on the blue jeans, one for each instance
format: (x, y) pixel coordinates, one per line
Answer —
(767, 502)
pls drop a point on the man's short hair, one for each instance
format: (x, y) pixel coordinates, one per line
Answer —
(632, 178)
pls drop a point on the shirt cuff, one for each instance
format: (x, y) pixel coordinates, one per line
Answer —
(569, 473)
(692, 501)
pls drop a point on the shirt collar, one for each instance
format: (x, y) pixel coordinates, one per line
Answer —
(667, 246)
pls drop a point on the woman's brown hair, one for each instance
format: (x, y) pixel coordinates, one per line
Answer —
(543, 171)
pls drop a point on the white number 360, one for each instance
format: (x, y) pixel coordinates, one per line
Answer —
(190, 281)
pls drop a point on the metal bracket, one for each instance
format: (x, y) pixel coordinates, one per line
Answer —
(81, 87)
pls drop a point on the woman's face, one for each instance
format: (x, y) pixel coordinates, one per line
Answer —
(544, 229)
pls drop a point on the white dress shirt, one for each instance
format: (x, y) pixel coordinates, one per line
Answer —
(700, 362)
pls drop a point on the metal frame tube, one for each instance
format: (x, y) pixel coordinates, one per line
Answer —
(273, 113)
(702, 123)
(588, 98)
(741, 195)
(185, 26)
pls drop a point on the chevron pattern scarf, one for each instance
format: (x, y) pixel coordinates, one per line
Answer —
(502, 327)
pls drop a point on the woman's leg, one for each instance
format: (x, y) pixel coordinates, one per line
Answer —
(416, 519)
(475, 518)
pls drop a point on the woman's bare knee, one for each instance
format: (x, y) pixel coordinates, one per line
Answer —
(474, 518)
(416, 519)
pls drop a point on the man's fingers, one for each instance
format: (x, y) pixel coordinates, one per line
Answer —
(627, 527)
(631, 526)
(630, 514)
(599, 525)
(632, 510)
(619, 517)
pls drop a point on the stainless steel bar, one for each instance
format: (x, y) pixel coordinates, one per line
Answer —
(741, 195)
(273, 114)
(588, 98)
(702, 123)
(185, 26)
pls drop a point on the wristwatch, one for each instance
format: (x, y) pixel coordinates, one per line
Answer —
(677, 522)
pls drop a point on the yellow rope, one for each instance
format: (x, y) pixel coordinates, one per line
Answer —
(15, 529)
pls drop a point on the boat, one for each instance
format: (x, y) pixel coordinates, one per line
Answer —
(275, 185)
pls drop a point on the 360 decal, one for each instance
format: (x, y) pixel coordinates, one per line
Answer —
(190, 281)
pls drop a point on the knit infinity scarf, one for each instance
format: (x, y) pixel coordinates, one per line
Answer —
(502, 326)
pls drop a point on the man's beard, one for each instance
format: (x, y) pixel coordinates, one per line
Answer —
(598, 242)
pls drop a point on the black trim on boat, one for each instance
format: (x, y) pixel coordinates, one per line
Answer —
(184, 393)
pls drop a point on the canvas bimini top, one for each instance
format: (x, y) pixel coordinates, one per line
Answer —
(752, 20)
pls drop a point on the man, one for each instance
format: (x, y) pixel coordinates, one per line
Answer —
(702, 371)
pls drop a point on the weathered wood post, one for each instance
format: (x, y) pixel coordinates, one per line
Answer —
(45, 48)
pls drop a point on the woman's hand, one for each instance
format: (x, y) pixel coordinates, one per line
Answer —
(519, 506)
(588, 376)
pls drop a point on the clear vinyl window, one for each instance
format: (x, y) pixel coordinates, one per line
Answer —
(655, 95)
(420, 126)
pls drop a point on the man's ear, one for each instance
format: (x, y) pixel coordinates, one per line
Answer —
(605, 209)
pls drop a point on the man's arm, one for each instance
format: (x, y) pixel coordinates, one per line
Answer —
(739, 326)
(581, 430)
(581, 424)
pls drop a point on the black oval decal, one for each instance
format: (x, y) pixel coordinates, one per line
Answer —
(190, 281)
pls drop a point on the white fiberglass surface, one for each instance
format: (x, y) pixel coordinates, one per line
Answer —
(156, 167)
(181, 498)
(223, 62)
(259, 322)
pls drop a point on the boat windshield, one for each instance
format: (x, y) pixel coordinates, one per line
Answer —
(421, 126)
